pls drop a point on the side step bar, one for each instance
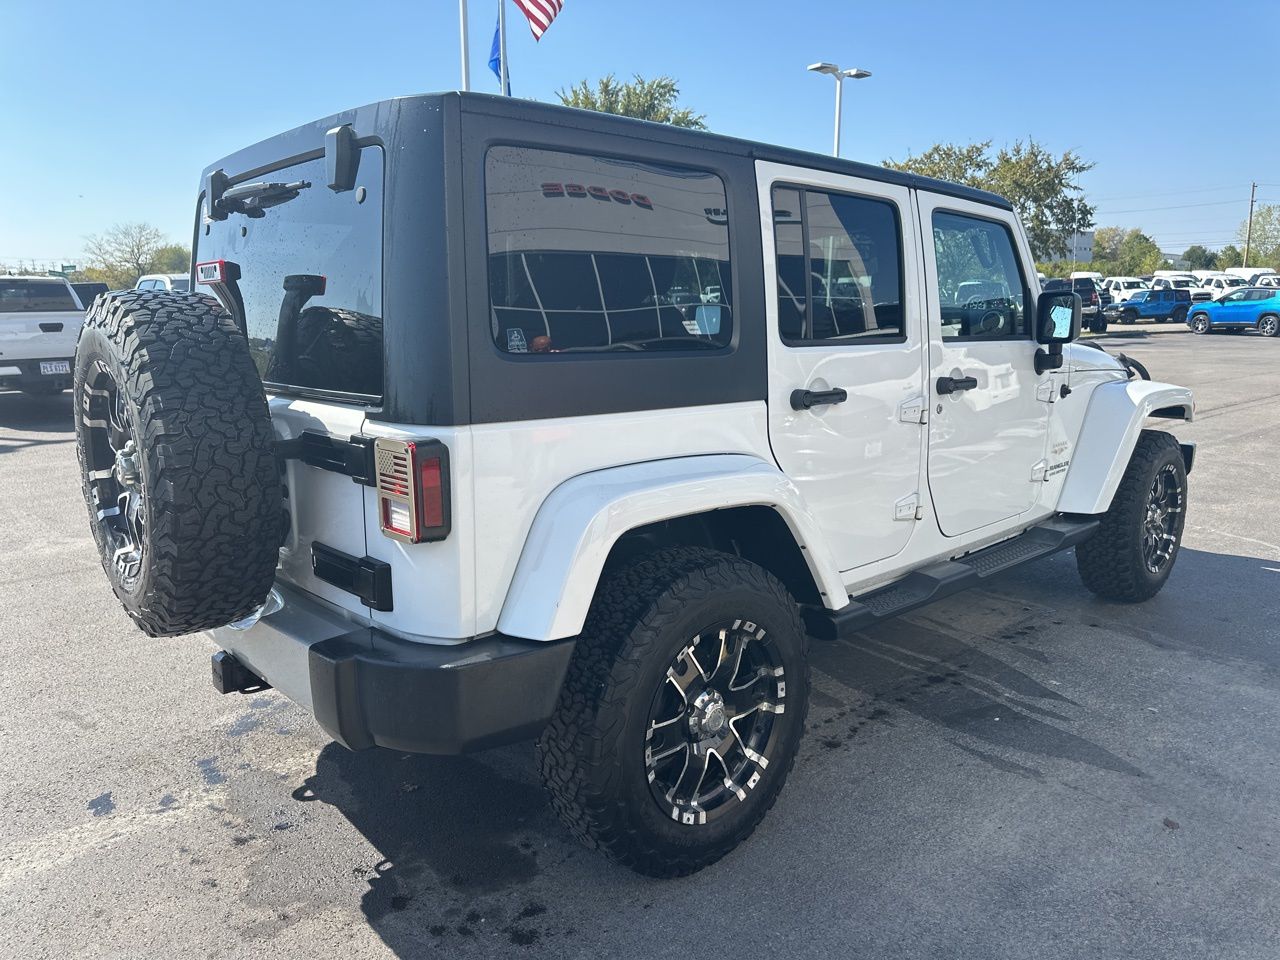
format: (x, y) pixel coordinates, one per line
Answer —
(950, 576)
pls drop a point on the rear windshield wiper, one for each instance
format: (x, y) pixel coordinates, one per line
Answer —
(253, 199)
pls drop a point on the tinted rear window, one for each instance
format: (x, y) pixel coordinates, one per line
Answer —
(19, 295)
(311, 279)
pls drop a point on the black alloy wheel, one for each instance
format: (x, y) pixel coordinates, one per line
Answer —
(711, 726)
(114, 475)
(1160, 528)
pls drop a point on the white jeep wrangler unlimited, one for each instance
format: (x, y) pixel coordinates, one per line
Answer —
(501, 421)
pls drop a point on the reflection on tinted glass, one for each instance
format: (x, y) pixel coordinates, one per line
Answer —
(19, 295)
(588, 254)
(980, 285)
(311, 279)
(839, 267)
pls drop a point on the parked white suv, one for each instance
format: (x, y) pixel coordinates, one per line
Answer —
(1218, 285)
(39, 320)
(586, 434)
(175, 282)
(1122, 288)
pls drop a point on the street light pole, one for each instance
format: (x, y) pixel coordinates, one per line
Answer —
(1248, 231)
(853, 73)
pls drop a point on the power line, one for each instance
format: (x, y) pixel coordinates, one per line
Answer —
(1176, 206)
(1174, 193)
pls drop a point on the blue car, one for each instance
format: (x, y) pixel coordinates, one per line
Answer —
(1253, 308)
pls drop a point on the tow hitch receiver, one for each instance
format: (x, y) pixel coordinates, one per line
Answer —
(232, 676)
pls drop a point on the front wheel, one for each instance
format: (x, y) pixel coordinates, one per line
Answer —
(1269, 326)
(1133, 552)
(1129, 316)
(1200, 324)
(682, 711)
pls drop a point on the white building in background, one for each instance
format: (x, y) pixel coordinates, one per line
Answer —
(1080, 246)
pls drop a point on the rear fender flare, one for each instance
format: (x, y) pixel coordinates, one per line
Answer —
(581, 520)
(1115, 417)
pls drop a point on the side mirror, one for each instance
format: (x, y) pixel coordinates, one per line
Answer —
(1057, 322)
(1057, 318)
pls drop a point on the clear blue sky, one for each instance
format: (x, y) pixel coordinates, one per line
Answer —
(111, 110)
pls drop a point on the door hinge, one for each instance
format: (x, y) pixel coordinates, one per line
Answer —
(1047, 391)
(908, 508)
(1038, 471)
(915, 410)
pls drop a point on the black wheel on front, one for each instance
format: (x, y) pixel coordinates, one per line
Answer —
(1162, 523)
(682, 710)
(113, 473)
(711, 731)
(1135, 548)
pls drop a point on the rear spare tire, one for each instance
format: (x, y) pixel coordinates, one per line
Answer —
(177, 460)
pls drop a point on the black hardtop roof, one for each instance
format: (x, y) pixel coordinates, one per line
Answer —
(535, 112)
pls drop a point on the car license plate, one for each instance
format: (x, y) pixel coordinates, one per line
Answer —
(51, 368)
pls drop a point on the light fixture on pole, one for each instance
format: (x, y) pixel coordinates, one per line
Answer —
(853, 73)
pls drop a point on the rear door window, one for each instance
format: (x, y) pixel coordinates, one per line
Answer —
(594, 254)
(311, 280)
(17, 295)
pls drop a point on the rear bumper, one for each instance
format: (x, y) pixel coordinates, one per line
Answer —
(367, 688)
(16, 374)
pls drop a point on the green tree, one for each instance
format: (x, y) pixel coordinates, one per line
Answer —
(172, 258)
(1139, 254)
(1200, 258)
(1230, 256)
(1041, 185)
(642, 99)
(1264, 248)
(1106, 243)
(122, 254)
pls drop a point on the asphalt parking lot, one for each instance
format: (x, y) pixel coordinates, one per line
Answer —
(1021, 772)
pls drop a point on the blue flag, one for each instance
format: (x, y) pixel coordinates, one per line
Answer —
(495, 59)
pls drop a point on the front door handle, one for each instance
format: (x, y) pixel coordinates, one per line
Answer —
(956, 384)
(808, 399)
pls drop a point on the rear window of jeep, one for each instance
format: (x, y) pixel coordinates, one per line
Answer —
(311, 280)
(592, 254)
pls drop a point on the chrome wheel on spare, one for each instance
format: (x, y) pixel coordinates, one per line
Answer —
(711, 727)
(113, 472)
(682, 710)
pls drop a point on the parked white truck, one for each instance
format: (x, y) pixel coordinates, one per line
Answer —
(511, 421)
(40, 319)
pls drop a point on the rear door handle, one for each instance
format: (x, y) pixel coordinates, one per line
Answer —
(808, 399)
(956, 384)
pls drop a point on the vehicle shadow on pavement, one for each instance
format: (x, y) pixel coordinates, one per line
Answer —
(961, 688)
(45, 415)
(456, 837)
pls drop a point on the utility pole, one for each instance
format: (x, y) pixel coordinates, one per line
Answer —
(1248, 231)
(462, 38)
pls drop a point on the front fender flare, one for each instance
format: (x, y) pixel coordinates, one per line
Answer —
(1108, 435)
(580, 521)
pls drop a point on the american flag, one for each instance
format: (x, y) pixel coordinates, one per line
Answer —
(540, 14)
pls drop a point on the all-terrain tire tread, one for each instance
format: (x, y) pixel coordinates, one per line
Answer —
(210, 475)
(1109, 562)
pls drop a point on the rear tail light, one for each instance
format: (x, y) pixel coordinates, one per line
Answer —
(413, 489)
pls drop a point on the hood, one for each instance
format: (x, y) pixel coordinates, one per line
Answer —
(1084, 356)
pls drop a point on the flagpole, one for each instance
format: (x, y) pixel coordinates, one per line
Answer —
(462, 36)
(503, 82)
